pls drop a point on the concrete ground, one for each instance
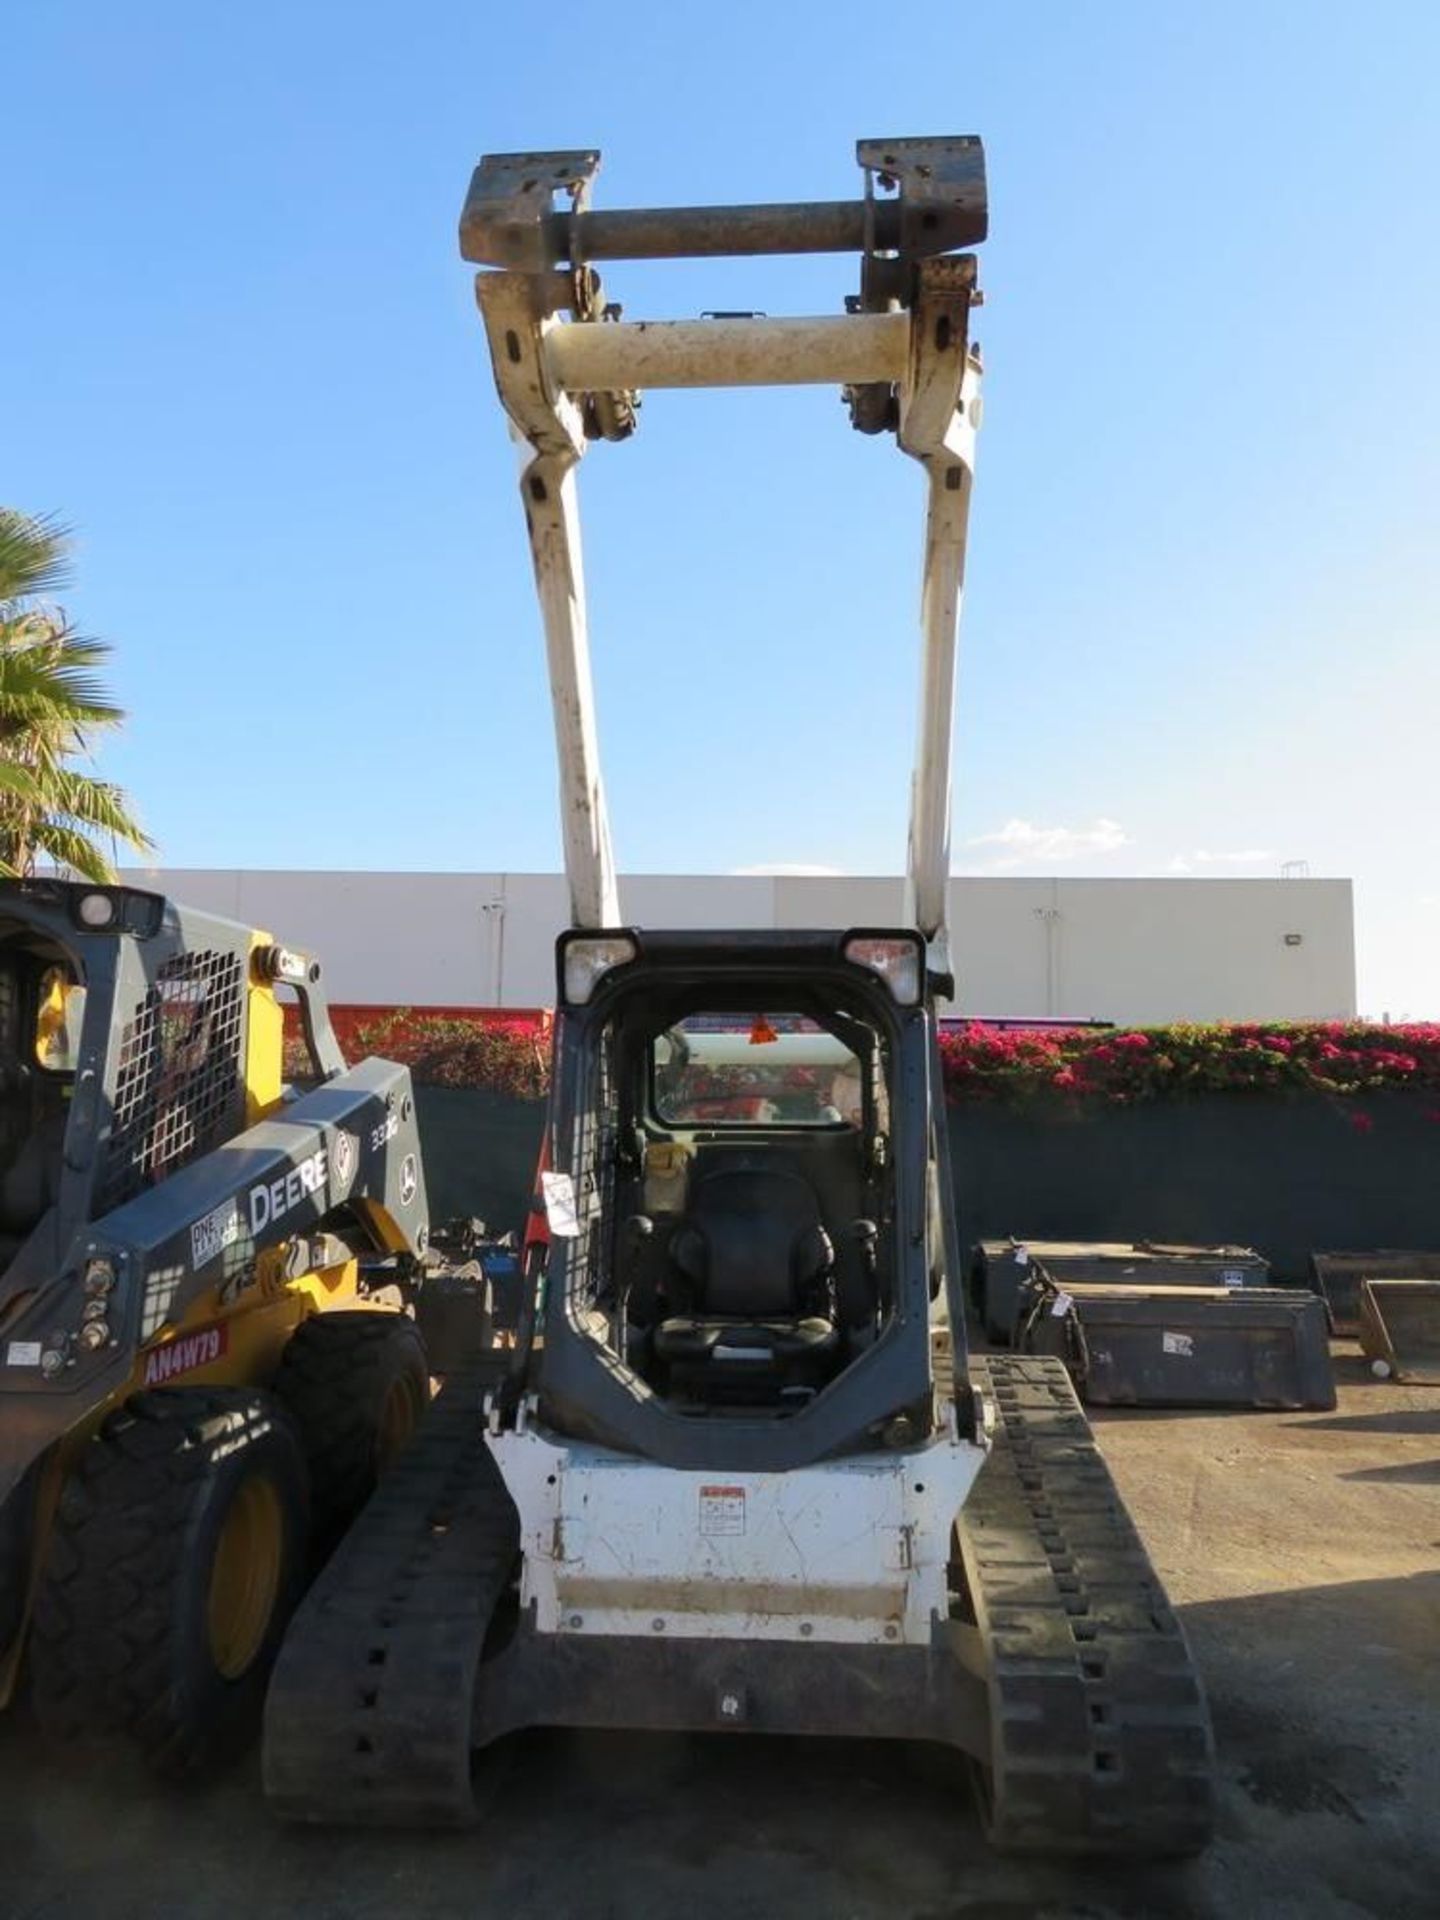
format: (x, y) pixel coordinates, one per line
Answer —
(1304, 1553)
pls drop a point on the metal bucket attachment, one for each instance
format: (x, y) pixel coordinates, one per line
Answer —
(1001, 1268)
(1338, 1278)
(1400, 1328)
(1184, 1346)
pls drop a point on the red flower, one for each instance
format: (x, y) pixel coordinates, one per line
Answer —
(1362, 1123)
(1066, 1078)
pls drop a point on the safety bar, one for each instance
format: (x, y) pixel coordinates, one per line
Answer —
(843, 350)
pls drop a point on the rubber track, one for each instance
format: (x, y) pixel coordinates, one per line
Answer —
(368, 1719)
(1101, 1735)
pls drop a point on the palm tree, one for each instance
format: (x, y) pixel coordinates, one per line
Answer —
(52, 701)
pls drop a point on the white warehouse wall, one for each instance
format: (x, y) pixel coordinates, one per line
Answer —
(1125, 950)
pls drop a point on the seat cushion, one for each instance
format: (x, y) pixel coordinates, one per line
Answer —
(745, 1343)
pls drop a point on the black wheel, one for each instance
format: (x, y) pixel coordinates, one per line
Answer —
(356, 1385)
(177, 1556)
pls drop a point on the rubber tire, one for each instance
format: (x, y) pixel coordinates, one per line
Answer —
(119, 1640)
(334, 1376)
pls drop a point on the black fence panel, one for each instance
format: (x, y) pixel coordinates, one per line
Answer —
(1282, 1176)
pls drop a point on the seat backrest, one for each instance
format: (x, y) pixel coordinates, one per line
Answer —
(751, 1243)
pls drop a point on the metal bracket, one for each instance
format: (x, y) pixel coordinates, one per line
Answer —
(941, 181)
(941, 293)
(508, 210)
(939, 351)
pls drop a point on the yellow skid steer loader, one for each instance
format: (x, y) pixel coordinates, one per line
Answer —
(198, 1388)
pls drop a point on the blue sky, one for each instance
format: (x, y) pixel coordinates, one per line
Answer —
(1200, 632)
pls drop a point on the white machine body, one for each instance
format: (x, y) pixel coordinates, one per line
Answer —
(851, 1549)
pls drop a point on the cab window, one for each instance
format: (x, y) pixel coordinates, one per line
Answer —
(770, 1069)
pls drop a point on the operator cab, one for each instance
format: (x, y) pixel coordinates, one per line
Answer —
(737, 1182)
(763, 1139)
(42, 1004)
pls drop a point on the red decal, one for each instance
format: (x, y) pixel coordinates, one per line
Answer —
(184, 1354)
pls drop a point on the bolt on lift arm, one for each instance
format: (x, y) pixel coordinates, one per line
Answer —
(901, 352)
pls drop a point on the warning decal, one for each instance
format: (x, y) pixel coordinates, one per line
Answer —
(1181, 1343)
(722, 1510)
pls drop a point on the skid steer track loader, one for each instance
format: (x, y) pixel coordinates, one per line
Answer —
(732, 1475)
(196, 1395)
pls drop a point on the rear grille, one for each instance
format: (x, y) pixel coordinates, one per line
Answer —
(179, 1088)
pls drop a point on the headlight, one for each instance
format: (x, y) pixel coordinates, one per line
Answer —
(898, 963)
(588, 961)
(96, 910)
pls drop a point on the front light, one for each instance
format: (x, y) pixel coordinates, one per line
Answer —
(96, 910)
(588, 961)
(897, 962)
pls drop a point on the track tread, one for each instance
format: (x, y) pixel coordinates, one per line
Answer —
(1101, 1737)
(369, 1714)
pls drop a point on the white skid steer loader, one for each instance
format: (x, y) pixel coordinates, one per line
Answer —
(727, 1479)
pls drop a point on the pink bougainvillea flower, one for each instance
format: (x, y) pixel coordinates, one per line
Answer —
(1066, 1078)
(1362, 1123)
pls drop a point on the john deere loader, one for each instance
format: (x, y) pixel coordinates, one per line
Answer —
(737, 1473)
(197, 1391)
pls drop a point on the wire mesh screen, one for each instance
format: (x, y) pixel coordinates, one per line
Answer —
(180, 1085)
(593, 1164)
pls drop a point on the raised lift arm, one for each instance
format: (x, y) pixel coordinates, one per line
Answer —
(901, 352)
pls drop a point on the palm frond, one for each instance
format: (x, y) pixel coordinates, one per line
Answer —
(34, 554)
(97, 804)
(68, 847)
(53, 697)
(45, 678)
(17, 780)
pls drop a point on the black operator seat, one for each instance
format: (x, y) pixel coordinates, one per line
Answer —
(751, 1288)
